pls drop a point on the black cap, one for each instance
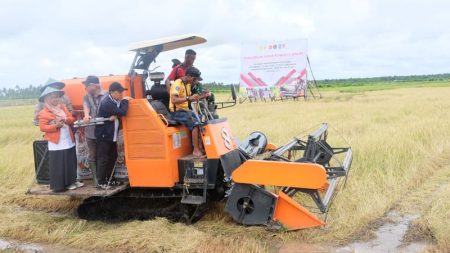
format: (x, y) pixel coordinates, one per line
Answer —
(116, 87)
(194, 72)
(190, 52)
(91, 80)
(175, 62)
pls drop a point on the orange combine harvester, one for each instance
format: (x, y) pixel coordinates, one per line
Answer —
(258, 181)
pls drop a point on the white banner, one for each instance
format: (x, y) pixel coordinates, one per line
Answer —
(272, 69)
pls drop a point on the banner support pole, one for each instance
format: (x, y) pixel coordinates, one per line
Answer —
(314, 80)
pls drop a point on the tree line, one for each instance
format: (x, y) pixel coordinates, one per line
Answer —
(20, 92)
(33, 91)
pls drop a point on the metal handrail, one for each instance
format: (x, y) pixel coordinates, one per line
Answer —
(198, 107)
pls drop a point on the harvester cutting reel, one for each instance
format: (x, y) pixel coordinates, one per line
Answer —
(265, 191)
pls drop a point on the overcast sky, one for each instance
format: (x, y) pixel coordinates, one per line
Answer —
(346, 38)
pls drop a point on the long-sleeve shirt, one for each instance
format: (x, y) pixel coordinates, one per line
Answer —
(109, 107)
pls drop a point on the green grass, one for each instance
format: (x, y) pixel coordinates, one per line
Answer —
(17, 102)
(364, 87)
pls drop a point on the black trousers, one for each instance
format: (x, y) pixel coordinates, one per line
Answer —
(106, 159)
(63, 168)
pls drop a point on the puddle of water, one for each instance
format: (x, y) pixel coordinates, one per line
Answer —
(388, 238)
(35, 248)
(23, 247)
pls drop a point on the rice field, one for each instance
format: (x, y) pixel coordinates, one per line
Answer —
(401, 143)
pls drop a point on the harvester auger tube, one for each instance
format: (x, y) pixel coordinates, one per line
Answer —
(316, 172)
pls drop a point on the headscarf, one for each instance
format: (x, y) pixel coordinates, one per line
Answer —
(57, 110)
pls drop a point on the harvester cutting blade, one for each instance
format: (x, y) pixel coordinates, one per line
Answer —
(309, 166)
(316, 149)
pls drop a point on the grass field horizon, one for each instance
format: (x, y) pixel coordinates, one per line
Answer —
(399, 135)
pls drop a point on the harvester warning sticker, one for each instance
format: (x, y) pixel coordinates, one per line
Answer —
(198, 164)
(176, 140)
(226, 138)
(207, 140)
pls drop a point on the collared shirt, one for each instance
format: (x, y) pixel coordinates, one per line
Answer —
(92, 103)
(107, 108)
(116, 121)
(197, 89)
(181, 90)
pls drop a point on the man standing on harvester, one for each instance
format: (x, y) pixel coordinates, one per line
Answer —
(114, 106)
(180, 96)
(91, 102)
(179, 70)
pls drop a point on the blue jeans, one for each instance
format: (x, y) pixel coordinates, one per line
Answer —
(187, 118)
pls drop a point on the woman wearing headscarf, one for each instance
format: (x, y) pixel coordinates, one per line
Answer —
(40, 105)
(54, 121)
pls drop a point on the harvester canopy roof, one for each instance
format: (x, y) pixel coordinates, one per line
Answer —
(168, 43)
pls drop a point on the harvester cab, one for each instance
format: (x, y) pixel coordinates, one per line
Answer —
(258, 180)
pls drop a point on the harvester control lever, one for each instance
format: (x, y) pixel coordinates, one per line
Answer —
(92, 122)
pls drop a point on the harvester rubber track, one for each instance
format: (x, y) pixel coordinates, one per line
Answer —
(128, 206)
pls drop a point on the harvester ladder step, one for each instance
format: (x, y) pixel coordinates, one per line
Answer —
(196, 199)
(194, 180)
(193, 199)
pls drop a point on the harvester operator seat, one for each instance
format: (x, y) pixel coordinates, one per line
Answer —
(159, 98)
(161, 109)
(159, 92)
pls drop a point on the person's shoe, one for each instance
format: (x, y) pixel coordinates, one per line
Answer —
(72, 187)
(116, 183)
(105, 186)
(79, 184)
